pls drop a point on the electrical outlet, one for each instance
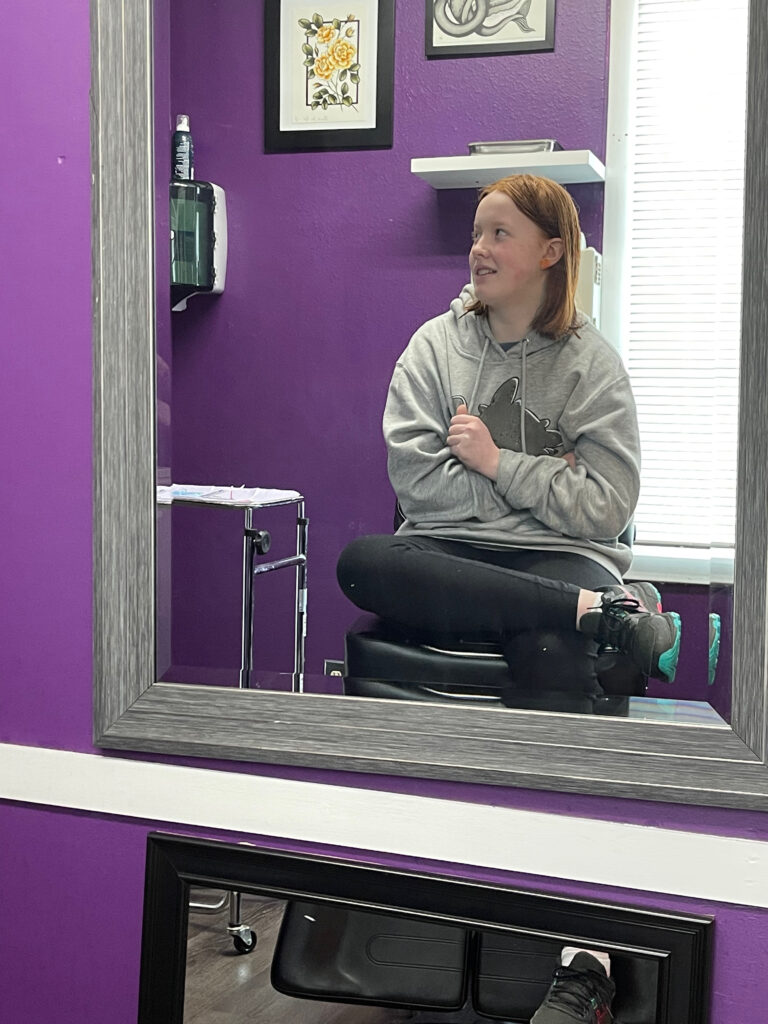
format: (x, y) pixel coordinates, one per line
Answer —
(333, 668)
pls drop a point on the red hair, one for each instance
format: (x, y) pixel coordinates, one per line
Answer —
(553, 211)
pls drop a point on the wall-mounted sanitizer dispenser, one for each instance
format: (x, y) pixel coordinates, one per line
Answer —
(198, 240)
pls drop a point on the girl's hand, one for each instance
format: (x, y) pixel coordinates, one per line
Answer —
(570, 458)
(470, 441)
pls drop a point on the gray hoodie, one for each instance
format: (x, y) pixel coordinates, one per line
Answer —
(539, 399)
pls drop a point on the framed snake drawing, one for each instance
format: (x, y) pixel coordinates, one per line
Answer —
(466, 28)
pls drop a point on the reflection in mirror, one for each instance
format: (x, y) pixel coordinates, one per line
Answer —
(334, 260)
(319, 940)
(309, 963)
(217, 979)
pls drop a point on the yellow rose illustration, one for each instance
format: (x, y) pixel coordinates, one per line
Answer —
(325, 33)
(324, 66)
(341, 53)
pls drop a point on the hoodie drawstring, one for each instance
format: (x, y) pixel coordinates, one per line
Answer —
(523, 386)
(478, 375)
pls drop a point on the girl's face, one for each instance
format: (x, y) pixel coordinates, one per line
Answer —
(507, 254)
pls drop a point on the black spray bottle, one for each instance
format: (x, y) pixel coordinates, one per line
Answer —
(182, 151)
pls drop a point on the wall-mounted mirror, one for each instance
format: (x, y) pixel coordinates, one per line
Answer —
(334, 941)
(135, 711)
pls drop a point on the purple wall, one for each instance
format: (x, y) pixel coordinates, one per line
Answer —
(334, 260)
(45, 383)
(72, 883)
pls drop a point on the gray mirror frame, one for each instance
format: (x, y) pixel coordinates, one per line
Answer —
(683, 764)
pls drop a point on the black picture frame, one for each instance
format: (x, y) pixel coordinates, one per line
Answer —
(673, 949)
(279, 139)
(514, 21)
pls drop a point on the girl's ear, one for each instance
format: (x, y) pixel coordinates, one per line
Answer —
(552, 253)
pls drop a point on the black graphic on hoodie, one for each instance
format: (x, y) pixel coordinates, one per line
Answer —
(502, 417)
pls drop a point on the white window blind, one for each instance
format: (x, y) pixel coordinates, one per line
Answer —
(682, 262)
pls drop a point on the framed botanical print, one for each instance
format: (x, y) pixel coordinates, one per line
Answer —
(328, 75)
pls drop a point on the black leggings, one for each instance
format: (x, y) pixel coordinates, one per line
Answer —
(438, 589)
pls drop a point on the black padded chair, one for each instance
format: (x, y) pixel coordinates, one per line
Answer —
(386, 661)
(356, 956)
(336, 954)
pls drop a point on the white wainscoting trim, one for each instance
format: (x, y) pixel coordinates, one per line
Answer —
(708, 867)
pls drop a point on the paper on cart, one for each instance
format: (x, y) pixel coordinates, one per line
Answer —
(257, 497)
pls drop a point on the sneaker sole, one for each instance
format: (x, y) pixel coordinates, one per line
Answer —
(668, 660)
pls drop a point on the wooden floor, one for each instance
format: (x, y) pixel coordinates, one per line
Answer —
(225, 987)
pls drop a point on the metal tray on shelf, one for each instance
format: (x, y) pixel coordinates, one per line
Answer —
(517, 146)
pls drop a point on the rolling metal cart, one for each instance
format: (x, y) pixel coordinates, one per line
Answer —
(255, 542)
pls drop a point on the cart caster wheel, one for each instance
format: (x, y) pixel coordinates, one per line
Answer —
(245, 944)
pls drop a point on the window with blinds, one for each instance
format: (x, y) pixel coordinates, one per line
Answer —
(682, 196)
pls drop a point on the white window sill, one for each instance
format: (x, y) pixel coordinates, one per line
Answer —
(681, 564)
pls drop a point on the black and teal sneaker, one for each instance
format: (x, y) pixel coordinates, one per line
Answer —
(581, 992)
(650, 639)
(645, 594)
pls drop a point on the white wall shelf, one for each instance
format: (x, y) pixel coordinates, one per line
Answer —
(569, 167)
